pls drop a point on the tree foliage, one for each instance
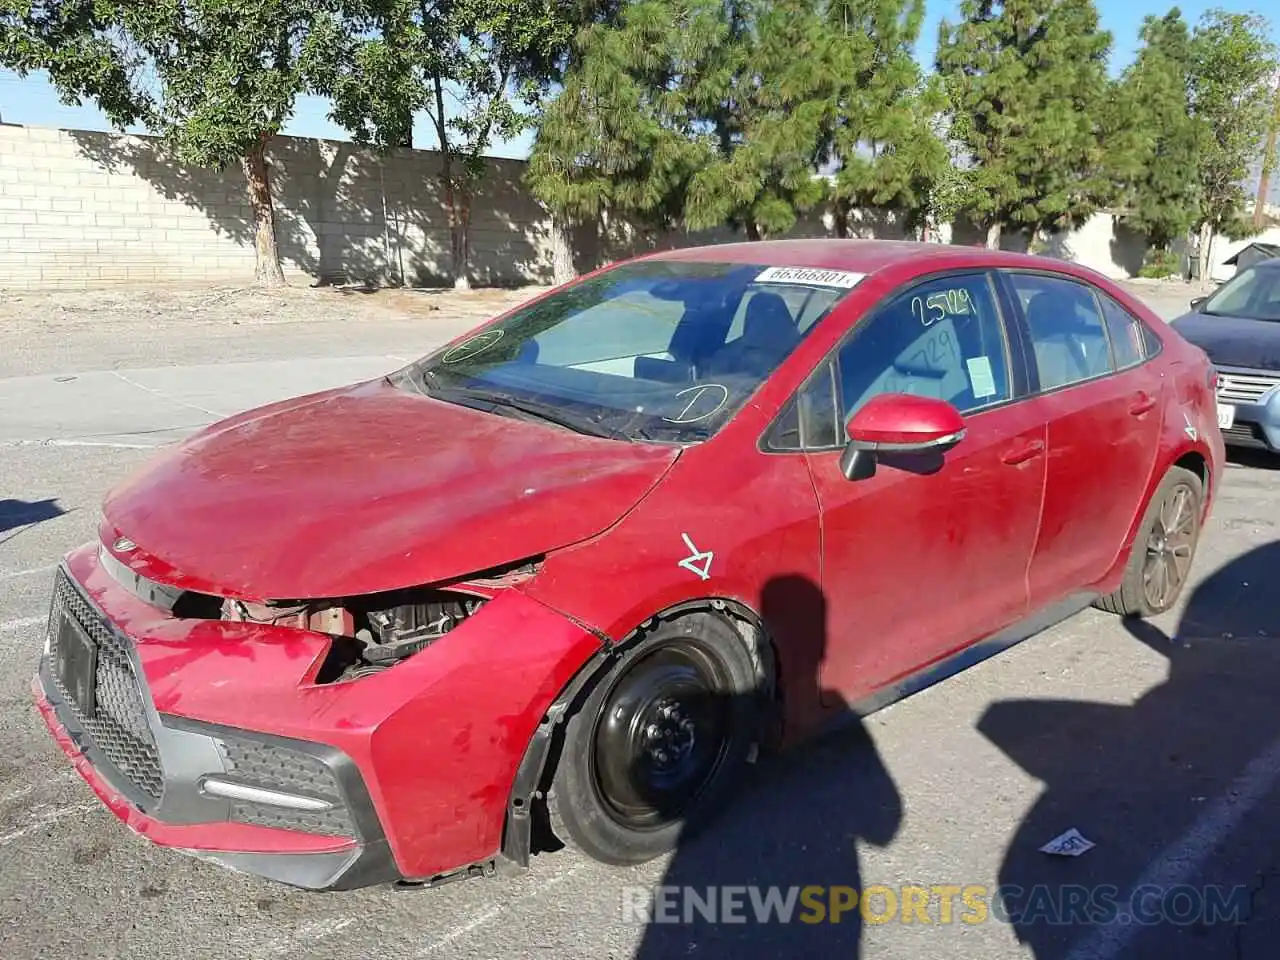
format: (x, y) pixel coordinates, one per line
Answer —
(1029, 79)
(692, 112)
(1232, 64)
(885, 133)
(476, 68)
(1160, 192)
(699, 114)
(621, 135)
(215, 78)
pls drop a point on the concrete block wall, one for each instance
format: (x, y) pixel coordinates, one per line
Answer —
(81, 208)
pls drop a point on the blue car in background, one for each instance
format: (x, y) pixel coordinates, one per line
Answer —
(1238, 326)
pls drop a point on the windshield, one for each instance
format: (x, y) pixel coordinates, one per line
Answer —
(652, 350)
(1253, 293)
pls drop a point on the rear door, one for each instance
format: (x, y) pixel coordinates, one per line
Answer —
(1103, 407)
(925, 557)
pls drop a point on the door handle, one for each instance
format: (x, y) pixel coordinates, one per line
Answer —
(1023, 452)
(1142, 404)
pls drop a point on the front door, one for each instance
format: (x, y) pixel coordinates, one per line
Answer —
(1103, 407)
(924, 558)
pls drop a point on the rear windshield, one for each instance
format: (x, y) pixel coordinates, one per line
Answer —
(651, 350)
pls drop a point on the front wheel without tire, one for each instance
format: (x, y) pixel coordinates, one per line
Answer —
(1163, 550)
(659, 743)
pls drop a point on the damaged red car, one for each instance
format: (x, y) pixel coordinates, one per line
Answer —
(560, 581)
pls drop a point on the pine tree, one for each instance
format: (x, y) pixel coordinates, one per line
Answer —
(692, 113)
(766, 94)
(884, 135)
(1030, 80)
(623, 135)
(1161, 194)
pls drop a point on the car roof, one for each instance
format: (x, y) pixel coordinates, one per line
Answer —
(866, 256)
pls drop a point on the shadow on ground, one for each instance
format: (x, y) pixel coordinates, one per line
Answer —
(25, 513)
(1257, 459)
(1156, 785)
(798, 824)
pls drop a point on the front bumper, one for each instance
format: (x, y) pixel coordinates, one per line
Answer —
(212, 737)
(201, 825)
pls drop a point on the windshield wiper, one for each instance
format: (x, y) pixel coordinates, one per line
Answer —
(542, 411)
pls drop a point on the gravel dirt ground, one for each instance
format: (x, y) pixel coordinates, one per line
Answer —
(1160, 743)
(114, 328)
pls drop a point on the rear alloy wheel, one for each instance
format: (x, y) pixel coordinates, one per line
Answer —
(1164, 549)
(659, 742)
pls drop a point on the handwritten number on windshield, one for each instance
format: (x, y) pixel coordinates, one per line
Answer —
(929, 310)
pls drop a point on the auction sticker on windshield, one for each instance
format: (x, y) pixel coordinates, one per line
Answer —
(823, 278)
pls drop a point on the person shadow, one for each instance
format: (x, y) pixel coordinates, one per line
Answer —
(1159, 785)
(27, 513)
(796, 822)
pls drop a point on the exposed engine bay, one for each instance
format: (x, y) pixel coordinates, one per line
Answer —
(371, 633)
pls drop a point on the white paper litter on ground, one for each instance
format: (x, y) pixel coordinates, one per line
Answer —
(1069, 844)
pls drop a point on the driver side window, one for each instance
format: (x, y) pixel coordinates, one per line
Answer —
(943, 338)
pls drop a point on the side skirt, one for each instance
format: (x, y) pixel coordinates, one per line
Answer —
(966, 657)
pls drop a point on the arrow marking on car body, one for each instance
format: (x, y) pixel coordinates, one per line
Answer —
(698, 561)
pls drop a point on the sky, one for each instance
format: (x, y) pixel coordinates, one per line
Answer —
(34, 102)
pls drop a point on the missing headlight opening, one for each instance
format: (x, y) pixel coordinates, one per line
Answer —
(374, 632)
(370, 633)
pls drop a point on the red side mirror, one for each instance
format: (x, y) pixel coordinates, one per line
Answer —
(900, 422)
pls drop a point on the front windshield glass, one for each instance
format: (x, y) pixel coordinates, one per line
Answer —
(1253, 293)
(652, 350)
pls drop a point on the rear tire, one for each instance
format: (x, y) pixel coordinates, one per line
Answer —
(660, 743)
(1163, 550)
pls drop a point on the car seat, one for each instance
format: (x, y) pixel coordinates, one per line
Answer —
(1067, 348)
(768, 335)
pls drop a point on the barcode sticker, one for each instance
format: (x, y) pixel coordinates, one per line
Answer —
(823, 278)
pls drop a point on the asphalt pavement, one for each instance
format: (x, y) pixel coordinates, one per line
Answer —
(1159, 743)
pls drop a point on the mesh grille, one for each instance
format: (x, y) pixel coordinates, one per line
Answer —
(274, 767)
(1245, 387)
(119, 726)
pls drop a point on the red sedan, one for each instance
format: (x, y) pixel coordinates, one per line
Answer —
(562, 579)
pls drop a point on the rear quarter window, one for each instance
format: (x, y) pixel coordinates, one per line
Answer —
(1128, 333)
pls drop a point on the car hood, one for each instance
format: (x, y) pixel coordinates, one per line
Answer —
(364, 489)
(1233, 341)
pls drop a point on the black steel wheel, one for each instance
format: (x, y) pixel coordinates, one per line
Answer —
(658, 743)
(661, 734)
(1164, 550)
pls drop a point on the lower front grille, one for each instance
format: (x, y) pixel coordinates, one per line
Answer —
(105, 699)
(1246, 435)
(277, 767)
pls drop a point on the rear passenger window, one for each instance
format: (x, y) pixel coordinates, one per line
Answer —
(1067, 330)
(1150, 342)
(1126, 332)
